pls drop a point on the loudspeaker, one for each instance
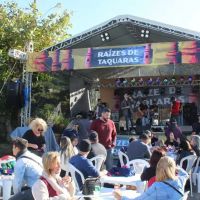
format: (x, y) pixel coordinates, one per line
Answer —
(15, 94)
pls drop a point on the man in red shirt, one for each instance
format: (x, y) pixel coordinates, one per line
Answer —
(176, 109)
(106, 130)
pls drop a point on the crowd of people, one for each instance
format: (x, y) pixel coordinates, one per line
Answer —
(44, 175)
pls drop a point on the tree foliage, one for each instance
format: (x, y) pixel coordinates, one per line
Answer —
(20, 25)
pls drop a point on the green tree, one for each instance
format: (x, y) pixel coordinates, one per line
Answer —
(18, 26)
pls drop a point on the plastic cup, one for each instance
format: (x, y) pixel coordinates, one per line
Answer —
(97, 189)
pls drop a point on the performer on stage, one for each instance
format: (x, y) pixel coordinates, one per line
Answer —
(144, 115)
(153, 110)
(126, 107)
(176, 109)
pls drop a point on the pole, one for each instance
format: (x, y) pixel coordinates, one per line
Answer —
(27, 81)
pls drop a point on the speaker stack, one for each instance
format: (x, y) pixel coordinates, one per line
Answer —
(15, 94)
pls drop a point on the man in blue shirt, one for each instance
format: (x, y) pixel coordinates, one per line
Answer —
(27, 170)
(83, 164)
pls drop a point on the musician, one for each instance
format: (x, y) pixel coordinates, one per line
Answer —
(126, 107)
(144, 115)
(176, 109)
(153, 109)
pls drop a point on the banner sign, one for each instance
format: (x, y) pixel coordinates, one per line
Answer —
(186, 52)
(118, 56)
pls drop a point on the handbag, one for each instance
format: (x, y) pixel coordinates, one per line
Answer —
(90, 185)
(121, 171)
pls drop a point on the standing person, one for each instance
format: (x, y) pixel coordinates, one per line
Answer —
(50, 186)
(106, 130)
(35, 136)
(153, 109)
(84, 124)
(176, 109)
(98, 108)
(66, 152)
(126, 107)
(27, 170)
(144, 115)
(173, 127)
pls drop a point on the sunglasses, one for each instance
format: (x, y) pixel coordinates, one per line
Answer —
(40, 130)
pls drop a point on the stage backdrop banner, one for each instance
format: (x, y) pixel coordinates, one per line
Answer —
(187, 52)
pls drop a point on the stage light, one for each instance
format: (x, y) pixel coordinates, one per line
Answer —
(149, 81)
(125, 82)
(141, 81)
(173, 80)
(182, 79)
(158, 81)
(145, 33)
(190, 79)
(105, 36)
(165, 81)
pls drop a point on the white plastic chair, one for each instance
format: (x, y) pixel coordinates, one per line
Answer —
(190, 162)
(185, 197)
(121, 158)
(73, 171)
(196, 175)
(98, 161)
(138, 165)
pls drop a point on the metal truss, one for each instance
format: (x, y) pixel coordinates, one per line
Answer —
(26, 110)
(143, 23)
(144, 84)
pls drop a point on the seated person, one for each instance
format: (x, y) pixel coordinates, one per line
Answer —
(66, 152)
(96, 148)
(166, 181)
(74, 141)
(83, 164)
(27, 170)
(50, 185)
(150, 172)
(185, 149)
(138, 149)
(71, 130)
(171, 141)
(35, 136)
(154, 139)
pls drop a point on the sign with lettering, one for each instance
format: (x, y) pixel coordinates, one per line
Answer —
(118, 56)
(185, 52)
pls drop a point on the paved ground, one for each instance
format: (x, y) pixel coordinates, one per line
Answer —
(196, 196)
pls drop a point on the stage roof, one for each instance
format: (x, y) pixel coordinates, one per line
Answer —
(126, 30)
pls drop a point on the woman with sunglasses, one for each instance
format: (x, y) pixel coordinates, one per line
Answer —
(35, 136)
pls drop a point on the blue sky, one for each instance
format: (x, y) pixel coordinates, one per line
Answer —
(89, 13)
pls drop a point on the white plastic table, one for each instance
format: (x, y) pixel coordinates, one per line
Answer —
(131, 180)
(107, 194)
